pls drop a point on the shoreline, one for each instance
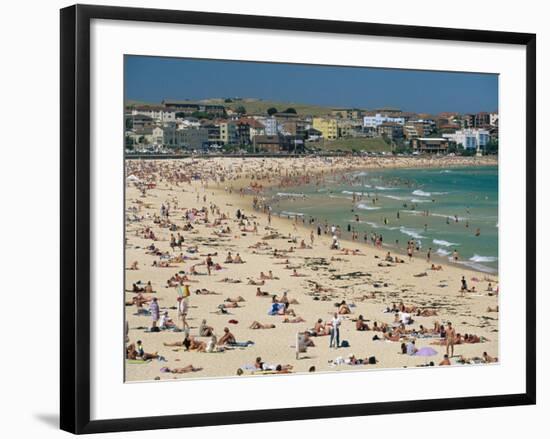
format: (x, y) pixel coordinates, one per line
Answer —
(247, 206)
(440, 259)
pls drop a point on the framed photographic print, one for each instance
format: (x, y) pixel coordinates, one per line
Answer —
(275, 218)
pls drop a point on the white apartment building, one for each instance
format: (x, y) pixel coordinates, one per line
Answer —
(378, 119)
(493, 119)
(469, 138)
(270, 124)
(159, 115)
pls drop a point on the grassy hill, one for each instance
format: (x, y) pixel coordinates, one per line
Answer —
(256, 106)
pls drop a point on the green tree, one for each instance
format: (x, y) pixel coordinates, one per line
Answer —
(202, 115)
(291, 110)
(228, 100)
(271, 111)
(491, 147)
(240, 109)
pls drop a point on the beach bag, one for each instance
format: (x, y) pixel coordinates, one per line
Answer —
(372, 360)
(345, 344)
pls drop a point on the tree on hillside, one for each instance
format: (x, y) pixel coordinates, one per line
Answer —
(240, 109)
(271, 111)
(291, 110)
(202, 115)
(228, 100)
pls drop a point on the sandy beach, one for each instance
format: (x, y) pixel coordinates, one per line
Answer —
(198, 199)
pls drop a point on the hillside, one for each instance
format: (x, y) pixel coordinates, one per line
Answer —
(256, 106)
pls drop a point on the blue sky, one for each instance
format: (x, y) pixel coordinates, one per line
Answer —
(152, 79)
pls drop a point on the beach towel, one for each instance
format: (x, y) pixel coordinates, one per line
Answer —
(275, 308)
(249, 367)
(241, 344)
(138, 361)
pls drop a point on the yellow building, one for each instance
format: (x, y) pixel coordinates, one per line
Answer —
(347, 113)
(327, 126)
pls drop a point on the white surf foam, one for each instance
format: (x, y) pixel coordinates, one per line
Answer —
(411, 232)
(445, 243)
(366, 207)
(478, 258)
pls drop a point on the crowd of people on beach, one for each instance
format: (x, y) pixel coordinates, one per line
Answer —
(182, 241)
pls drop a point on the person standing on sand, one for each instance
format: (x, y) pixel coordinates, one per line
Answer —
(450, 335)
(209, 264)
(429, 255)
(335, 331)
(154, 309)
(182, 313)
(312, 237)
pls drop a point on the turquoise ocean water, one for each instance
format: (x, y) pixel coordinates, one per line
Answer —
(404, 204)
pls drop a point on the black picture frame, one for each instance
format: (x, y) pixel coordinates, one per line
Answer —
(75, 217)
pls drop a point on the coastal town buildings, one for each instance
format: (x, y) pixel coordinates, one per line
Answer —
(469, 138)
(378, 119)
(190, 126)
(158, 113)
(430, 144)
(327, 126)
(347, 113)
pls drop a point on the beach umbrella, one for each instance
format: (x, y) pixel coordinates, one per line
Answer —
(132, 178)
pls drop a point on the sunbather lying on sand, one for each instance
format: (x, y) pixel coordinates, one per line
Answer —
(488, 359)
(352, 252)
(235, 299)
(426, 312)
(293, 320)
(280, 368)
(204, 292)
(268, 276)
(296, 274)
(390, 336)
(257, 325)
(366, 296)
(189, 343)
(139, 300)
(229, 305)
(261, 293)
(232, 281)
(179, 370)
(256, 282)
